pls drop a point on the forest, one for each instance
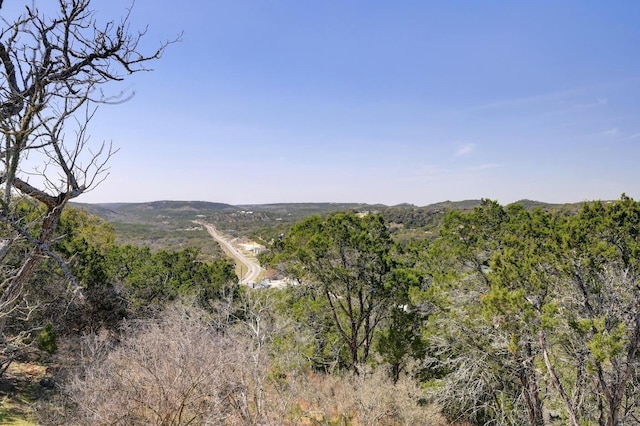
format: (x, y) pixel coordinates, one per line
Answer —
(467, 313)
(502, 315)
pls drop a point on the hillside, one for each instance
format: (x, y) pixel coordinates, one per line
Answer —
(169, 224)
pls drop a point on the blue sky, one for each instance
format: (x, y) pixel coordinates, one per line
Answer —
(378, 102)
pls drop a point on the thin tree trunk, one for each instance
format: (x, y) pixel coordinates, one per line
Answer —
(556, 382)
(531, 390)
(12, 292)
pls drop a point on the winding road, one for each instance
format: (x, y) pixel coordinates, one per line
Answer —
(253, 268)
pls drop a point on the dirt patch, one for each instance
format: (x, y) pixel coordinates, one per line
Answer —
(19, 388)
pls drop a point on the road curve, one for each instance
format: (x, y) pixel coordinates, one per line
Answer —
(253, 268)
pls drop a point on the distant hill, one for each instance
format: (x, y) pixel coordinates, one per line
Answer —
(298, 211)
(454, 205)
(531, 204)
(137, 212)
(162, 224)
(190, 210)
(261, 215)
(170, 223)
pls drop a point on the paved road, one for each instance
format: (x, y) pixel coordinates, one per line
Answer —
(254, 269)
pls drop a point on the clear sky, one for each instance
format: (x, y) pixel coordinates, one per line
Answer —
(372, 101)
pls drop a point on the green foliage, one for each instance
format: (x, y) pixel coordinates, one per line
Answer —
(606, 343)
(155, 278)
(48, 339)
(346, 264)
(524, 289)
(312, 317)
(507, 313)
(119, 281)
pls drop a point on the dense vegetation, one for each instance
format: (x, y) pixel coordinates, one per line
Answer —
(508, 315)
(470, 312)
(502, 315)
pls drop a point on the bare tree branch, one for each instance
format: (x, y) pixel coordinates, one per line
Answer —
(53, 75)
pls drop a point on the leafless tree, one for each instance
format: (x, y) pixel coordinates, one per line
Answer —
(179, 369)
(53, 71)
(370, 398)
(174, 371)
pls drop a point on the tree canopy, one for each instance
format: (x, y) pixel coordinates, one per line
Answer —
(346, 260)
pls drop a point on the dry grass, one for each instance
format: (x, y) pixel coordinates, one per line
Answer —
(178, 371)
(368, 399)
(19, 389)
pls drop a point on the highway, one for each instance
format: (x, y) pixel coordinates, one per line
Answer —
(253, 268)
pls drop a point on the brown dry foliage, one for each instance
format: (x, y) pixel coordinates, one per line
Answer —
(171, 372)
(368, 399)
(179, 371)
